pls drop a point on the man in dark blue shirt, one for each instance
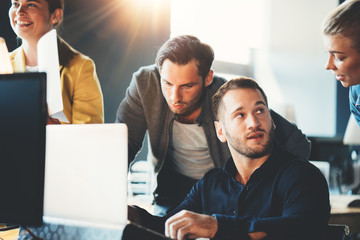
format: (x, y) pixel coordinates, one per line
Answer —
(263, 192)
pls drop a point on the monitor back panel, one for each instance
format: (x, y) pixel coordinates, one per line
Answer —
(22, 147)
(86, 174)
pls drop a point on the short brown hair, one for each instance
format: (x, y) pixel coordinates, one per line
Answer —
(345, 21)
(236, 83)
(182, 49)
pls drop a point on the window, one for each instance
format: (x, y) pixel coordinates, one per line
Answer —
(231, 27)
(278, 43)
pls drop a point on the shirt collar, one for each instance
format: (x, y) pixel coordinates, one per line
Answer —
(268, 166)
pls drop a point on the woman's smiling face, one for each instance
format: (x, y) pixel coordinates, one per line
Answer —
(31, 19)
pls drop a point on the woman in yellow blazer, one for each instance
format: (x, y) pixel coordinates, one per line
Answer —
(81, 91)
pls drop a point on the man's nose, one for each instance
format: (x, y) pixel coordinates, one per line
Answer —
(252, 121)
(176, 94)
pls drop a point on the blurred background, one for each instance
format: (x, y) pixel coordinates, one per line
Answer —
(278, 42)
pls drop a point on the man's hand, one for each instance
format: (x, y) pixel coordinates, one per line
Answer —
(257, 235)
(186, 224)
(133, 215)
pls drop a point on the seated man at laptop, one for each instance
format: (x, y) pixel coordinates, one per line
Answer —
(261, 192)
(171, 102)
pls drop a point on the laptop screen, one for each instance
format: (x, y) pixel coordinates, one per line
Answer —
(22, 147)
(86, 174)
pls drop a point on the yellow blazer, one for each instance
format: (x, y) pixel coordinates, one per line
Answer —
(80, 86)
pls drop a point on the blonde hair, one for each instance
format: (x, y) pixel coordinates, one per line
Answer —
(345, 21)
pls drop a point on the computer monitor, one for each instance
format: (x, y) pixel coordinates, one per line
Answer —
(23, 116)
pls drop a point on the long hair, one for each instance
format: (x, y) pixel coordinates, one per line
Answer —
(66, 52)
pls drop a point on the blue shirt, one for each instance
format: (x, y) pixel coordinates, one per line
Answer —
(287, 198)
(354, 97)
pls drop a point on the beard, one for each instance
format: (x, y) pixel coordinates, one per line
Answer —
(240, 146)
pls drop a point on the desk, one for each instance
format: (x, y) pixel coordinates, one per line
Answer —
(341, 214)
(50, 231)
(9, 234)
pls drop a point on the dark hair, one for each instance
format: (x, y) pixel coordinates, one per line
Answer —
(236, 83)
(345, 21)
(182, 49)
(66, 52)
(54, 4)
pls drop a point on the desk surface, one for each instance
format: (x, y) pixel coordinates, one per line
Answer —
(342, 214)
(9, 234)
(339, 204)
(52, 231)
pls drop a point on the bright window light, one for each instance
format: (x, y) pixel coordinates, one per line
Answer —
(231, 27)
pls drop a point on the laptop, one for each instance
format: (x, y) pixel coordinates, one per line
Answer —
(86, 185)
(86, 175)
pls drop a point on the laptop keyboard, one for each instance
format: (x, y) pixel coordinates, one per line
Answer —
(51, 231)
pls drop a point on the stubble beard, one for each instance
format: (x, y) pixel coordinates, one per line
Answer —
(239, 146)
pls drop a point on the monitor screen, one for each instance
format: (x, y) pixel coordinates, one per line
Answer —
(22, 147)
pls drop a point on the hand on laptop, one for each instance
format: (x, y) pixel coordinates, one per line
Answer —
(186, 224)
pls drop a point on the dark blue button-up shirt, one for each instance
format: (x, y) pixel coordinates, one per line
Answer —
(287, 198)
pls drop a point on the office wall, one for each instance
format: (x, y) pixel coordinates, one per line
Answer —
(296, 58)
(120, 36)
(5, 28)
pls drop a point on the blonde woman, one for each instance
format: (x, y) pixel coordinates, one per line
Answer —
(342, 40)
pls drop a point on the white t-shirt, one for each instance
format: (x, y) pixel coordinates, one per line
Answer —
(188, 150)
(31, 68)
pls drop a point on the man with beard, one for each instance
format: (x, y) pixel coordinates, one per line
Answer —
(262, 192)
(171, 102)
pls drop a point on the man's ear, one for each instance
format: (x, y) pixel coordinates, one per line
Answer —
(272, 121)
(220, 131)
(209, 78)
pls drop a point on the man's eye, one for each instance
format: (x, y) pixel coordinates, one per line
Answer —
(261, 110)
(240, 115)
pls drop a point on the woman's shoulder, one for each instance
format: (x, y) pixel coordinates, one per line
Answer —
(15, 52)
(355, 90)
(68, 56)
(79, 61)
(81, 58)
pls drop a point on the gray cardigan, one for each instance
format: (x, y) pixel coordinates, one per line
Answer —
(145, 109)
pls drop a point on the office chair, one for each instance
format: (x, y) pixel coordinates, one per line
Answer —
(338, 232)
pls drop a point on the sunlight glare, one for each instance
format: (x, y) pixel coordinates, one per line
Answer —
(209, 21)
